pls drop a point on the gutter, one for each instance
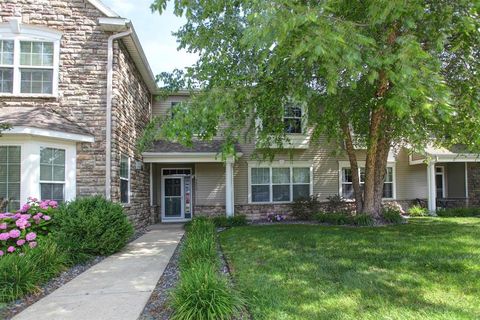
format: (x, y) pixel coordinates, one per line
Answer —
(108, 147)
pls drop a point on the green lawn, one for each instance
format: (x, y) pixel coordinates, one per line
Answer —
(426, 269)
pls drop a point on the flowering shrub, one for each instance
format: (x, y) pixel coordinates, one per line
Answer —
(275, 217)
(21, 229)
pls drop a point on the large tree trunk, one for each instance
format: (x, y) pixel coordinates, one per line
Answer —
(380, 171)
(370, 163)
(353, 165)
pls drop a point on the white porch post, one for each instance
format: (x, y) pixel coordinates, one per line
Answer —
(432, 192)
(229, 197)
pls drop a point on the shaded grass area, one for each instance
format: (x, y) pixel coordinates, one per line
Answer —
(426, 269)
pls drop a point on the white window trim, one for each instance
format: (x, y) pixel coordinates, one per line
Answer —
(346, 165)
(278, 164)
(30, 167)
(53, 181)
(16, 31)
(126, 179)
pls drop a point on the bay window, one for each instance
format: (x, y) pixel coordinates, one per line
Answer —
(52, 174)
(346, 182)
(279, 184)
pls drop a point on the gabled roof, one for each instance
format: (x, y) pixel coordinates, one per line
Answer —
(114, 23)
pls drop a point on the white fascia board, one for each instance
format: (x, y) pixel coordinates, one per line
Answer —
(49, 134)
(103, 8)
(182, 157)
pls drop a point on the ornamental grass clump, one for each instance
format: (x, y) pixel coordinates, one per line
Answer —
(23, 273)
(202, 292)
(92, 226)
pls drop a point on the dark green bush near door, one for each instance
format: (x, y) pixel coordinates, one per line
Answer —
(90, 227)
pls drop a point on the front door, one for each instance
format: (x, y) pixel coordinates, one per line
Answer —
(173, 197)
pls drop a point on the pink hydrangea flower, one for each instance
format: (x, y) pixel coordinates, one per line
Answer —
(15, 233)
(33, 244)
(1, 253)
(44, 205)
(22, 223)
(31, 236)
(25, 216)
(53, 203)
(20, 242)
(25, 207)
(11, 249)
(3, 215)
(46, 218)
(4, 236)
(3, 226)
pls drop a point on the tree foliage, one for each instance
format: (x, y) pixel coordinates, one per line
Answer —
(391, 72)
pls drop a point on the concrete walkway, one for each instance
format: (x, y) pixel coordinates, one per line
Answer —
(116, 288)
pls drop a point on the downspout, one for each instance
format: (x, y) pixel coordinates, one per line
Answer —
(108, 147)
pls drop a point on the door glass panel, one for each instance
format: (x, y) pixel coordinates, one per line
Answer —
(173, 197)
(439, 182)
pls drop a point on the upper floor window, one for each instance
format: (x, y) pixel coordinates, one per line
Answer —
(29, 59)
(292, 119)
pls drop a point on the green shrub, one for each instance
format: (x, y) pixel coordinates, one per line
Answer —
(203, 294)
(459, 212)
(417, 211)
(305, 208)
(22, 274)
(392, 216)
(92, 226)
(363, 220)
(227, 222)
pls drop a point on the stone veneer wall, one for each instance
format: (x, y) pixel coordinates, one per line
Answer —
(131, 113)
(82, 77)
(82, 95)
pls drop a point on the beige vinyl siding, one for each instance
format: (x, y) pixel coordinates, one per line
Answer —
(411, 180)
(325, 168)
(210, 184)
(161, 106)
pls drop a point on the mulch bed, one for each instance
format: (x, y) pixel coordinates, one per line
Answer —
(11, 309)
(157, 306)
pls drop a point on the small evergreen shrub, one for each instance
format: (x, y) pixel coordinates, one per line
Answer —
(337, 203)
(458, 212)
(305, 208)
(417, 211)
(238, 220)
(92, 226)
(204, 294)
(22, 274)
(221, 222)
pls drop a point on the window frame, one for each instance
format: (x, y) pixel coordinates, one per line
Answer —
(302, 118)
(128, 178)
(64, 182)
(271, 166)
(361, 165)
(20, 178)
(18, 32)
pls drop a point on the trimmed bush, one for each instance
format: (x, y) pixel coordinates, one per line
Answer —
(202, 292)
(90, 227)
(417, 211)
(305, 208)
(22, 274)
(458, 212)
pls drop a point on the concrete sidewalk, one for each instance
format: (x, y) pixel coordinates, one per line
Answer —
(116, 288)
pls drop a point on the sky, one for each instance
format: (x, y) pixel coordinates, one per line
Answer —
(155, 33)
